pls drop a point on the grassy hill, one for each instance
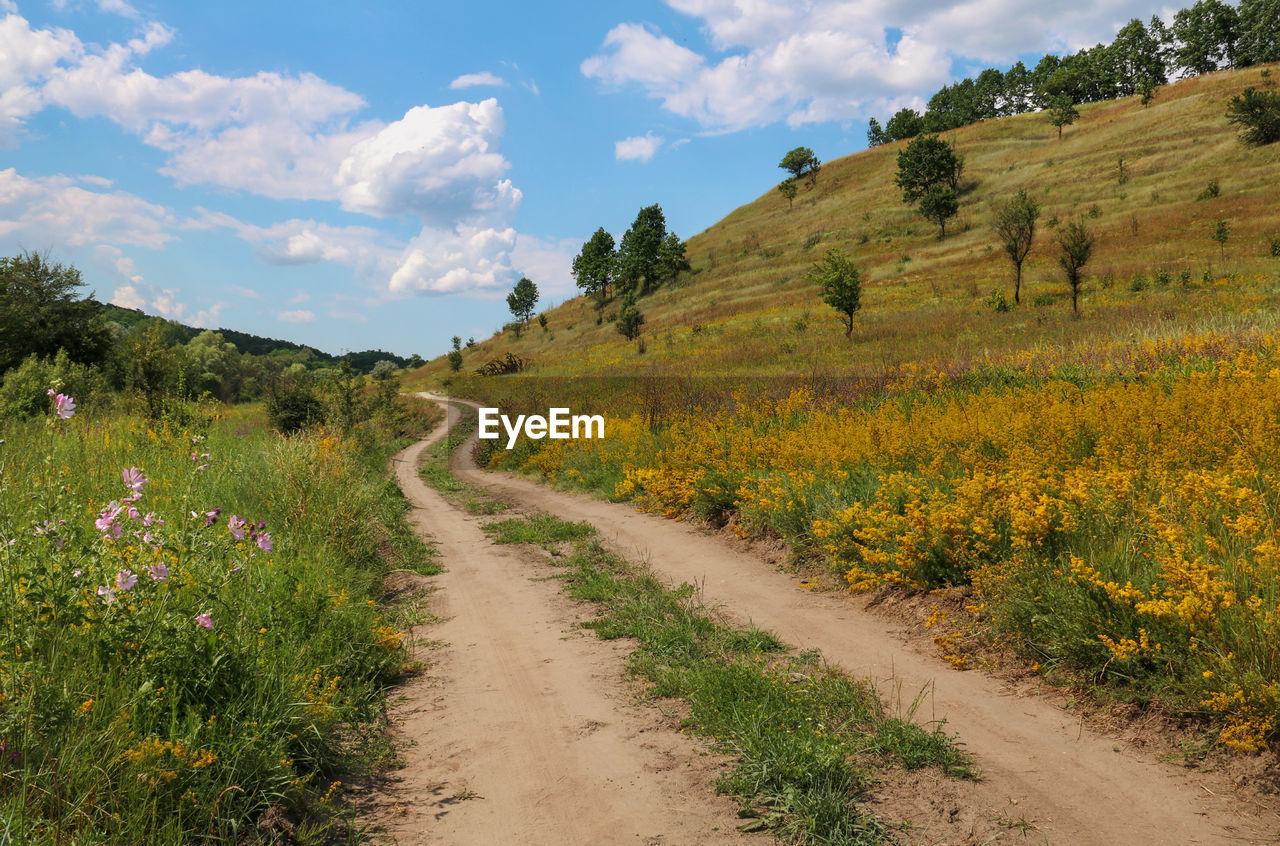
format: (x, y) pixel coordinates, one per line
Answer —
(748, 308)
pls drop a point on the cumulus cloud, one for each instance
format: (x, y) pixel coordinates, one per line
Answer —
(299, 316)
(54, 208)
(468, 80)
(164, 302)
(834, 59)
(281, 136)
(638, 148)
(440, 164)
(546, 262)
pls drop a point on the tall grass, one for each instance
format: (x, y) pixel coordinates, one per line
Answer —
(180, 656)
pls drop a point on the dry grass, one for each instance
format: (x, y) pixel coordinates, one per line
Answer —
(923, 298)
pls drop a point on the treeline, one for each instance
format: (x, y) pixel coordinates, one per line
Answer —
(1209, 36)
(51, 336)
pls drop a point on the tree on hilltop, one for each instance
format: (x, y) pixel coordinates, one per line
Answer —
(801, 162)
(594, 266)
(929, 175)
(1062, 112)
(639, 254)
(522, 300)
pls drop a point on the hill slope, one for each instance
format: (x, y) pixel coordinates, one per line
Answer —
(748, 308)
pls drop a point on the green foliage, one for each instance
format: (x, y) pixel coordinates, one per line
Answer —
(1062, 112)
(801, 162)
(926, 162)
(1206, 34)
(594, 266)
(639, 258)
(787, 188)
(293, 403)
(671, 258)
(629, 318)
(455, 360)
(939, 205)
(1259, 32)
(1257, 113)
(996, 302)
(1015, 225)
(24, 390)
(1275, 247)
(41, 312)
(1221, 232)
(1210, 192)
(841, 285)
(523, 299)
(1075, 244)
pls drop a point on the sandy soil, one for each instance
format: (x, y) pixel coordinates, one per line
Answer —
(522, 730)
(1047, 777)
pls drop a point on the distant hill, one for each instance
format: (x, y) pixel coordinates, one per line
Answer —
(1150, 181)
(361, 362)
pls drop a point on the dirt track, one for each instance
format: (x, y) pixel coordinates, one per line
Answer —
(522, 731)
(1040, 764)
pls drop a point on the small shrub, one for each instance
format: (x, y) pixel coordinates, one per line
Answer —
(996, 302)
(1138, 283)
(1095, 211)
(812, 240)
(1275, 247)
(1042, 300)
(802, 322)
(1257, 113)
(1210, 192)
(1107, 280)
(1184, 278)
(1163, 278)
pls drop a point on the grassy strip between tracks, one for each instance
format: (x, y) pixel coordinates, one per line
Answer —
(807, 741)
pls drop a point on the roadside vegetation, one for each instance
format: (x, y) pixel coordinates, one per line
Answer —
(807, 742)
(192, 645)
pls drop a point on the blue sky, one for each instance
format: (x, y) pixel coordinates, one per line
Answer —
(378, 175)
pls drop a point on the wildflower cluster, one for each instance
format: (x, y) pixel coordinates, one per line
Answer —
(1123, 525)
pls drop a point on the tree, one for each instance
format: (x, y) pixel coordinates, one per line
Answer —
(1062, 112)
(1259, 32)
(1257, 113)
(801, 162)
(787, 188)
(1207, 34)
(876, 136)
(639, 253)
(671, 258)
(1075, 242)
(1015, 224)
(925, 162)
(1221, 232)
(1138, 57)
(841, 285)
(522, 300)
(906, 123)
(629, 318)
(939, 205)
(593, 267)
(455, 354)
(41, 312)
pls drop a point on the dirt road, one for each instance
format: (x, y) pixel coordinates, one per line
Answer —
(522, 730)
(1040, 764)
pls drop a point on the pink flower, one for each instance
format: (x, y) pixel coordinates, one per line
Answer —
(63, 405)
(108, 594)
(204, 621)
(133, 479)
(125, 580)
(158, 572)
(106, 522)
(264, 542)
(211, 517)
(236, 525)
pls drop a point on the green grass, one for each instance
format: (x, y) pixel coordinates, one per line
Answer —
(434, 470)
(807, 741)
(129, 721)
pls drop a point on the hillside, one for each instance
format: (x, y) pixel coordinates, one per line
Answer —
(748, 308)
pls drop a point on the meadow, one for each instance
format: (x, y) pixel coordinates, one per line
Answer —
(192, 646)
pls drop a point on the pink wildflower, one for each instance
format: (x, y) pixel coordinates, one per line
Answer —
(63, 405)
(204, 621)
(264, 542)
(125, 580)
(133, 479)
(158, 572)
(108, 594)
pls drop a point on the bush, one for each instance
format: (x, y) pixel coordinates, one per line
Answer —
(1210, 191)
(1275, 247)
(293, 405)
(25, 390)
(996, 302)
(1257, 113)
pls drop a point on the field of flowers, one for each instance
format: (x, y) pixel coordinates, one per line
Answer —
(1118, 521)
(189, 643)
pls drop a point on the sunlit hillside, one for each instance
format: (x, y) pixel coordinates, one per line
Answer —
(1151, 182)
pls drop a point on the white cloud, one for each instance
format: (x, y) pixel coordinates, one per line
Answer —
(465, 260)
(638, 148)
(832, 59)
(547, 263)
(282, 136)
(299, 316)
(349, 316)
(164, 302)
(53, 208)
(468, 80)
(440, 164)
